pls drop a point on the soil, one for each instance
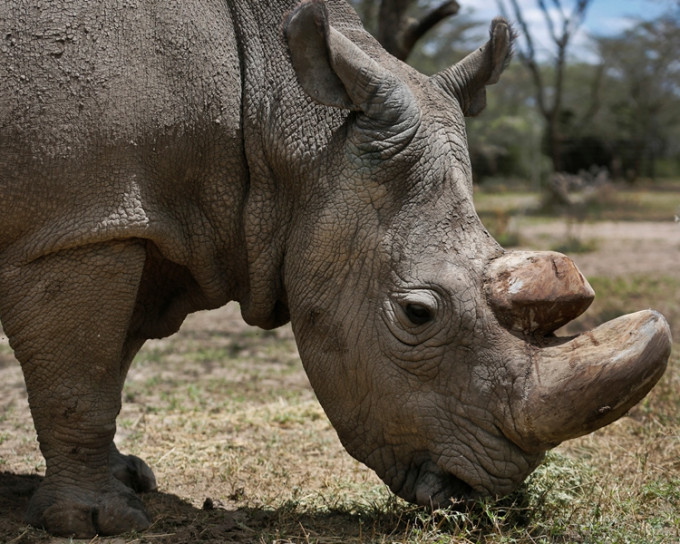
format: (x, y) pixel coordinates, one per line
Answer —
(621, 248)
(195, 503)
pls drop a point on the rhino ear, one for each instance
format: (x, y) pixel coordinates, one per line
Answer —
(336, 72)
(308, 34)
(466, 81)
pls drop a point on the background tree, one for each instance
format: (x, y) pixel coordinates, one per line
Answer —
(399, 24)
(642, 100)
(505, 140)
(561, 23)
(398, 31)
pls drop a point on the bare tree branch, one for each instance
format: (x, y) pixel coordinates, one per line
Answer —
(577, 15)
(398, 33)
(391, 22)
(559, 7)
(416, 29)
(548, 19)
(528, 56)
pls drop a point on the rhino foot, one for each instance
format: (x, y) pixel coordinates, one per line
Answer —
(72, 512)
(132, 471)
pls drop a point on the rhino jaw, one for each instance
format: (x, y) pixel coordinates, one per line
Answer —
(576, 386)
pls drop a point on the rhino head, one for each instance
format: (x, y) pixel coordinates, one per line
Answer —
(430, 348)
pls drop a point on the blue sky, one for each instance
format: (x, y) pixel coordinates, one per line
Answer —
(611, 16)
(604, 17)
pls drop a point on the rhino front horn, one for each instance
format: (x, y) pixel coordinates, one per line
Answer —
(536, 292)
(581, 384)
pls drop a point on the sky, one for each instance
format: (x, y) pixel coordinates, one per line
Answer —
(604, 17)
(612, 16)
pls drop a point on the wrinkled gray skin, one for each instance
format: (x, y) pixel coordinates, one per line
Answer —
(157, 159)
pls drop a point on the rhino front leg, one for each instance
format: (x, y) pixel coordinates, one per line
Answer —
(67, 315)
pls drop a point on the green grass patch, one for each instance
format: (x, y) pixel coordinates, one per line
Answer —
(566, 500)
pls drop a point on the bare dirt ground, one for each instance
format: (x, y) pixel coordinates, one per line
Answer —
(225, 416)
(622, 248)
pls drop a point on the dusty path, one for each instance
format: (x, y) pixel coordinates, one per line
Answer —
(622, 248)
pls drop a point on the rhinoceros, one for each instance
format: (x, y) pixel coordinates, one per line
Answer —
(159, 158)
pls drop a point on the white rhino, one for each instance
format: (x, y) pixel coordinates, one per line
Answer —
(158, 158)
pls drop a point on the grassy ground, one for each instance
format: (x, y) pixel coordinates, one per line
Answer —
(243, 452)
(505, 212)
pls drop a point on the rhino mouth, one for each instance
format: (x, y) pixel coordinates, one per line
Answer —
(441, 484)
(427, 484)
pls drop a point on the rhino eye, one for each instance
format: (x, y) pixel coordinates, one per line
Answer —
(417, 313)
(410, 313)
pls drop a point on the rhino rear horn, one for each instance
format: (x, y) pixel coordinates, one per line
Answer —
(466, 80)
(536, 292)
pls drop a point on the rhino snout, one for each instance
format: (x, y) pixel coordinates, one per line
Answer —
(570, 386)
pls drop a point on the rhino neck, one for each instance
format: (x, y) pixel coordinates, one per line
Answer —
(283, 130)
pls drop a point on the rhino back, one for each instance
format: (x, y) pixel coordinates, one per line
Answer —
(119, 120)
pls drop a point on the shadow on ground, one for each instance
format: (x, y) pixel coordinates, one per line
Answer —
(176, 521)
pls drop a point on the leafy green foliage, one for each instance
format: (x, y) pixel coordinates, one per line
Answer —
(642, 85)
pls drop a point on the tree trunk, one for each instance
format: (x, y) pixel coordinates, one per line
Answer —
(398, 33)
(554, 144)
